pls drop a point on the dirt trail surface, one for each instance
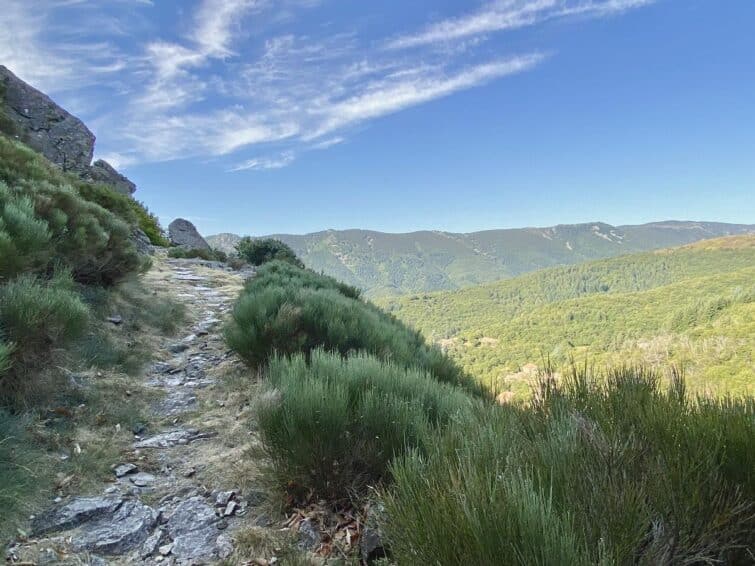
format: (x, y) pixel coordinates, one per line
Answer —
(169, 500)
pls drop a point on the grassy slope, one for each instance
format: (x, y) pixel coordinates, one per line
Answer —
(693, 305)
(392, 264)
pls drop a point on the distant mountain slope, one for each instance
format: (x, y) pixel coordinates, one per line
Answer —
(693, 305)
(393, 264)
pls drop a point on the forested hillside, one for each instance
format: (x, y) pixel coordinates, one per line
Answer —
(693, 305)
(393, 264)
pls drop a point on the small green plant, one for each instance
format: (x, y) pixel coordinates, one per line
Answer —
(25, 239)
(258, 252)
(331, 425)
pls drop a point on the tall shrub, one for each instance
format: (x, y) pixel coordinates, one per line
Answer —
(258, 252)
(39, 318)
(624, 470)
(290, 310)
(331, 425)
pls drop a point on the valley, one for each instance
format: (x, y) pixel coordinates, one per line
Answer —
(693, 306)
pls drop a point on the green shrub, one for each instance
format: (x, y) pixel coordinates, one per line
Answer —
(258, 252)
(279, 274)
(23, 169)
(199, 253)
(38, 318)
(613, 469)
(25, 239)
(43, 225)
(149, 224)
(331, 426)
(125, 207)
(289, 310)
(91, 240)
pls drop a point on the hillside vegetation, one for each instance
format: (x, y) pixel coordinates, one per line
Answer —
(617, 467)
(286, 310)
(693, 306)
(67, 261)
(393, 264)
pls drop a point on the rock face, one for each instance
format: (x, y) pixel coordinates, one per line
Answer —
(126, 530)
(46, 127)
(58, 135)
(183, 233)
(102, 172)
(74, 513)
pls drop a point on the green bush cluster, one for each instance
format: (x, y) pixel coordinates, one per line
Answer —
(47, 220)
(331, 426)
(39, 317)
(258, 252)
(613, 469)
(58, 236)
(209, 255)
(127, 208)
(289, 310)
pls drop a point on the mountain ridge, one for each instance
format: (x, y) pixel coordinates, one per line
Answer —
(384, 263)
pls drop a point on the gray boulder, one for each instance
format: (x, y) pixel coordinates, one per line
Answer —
(102, 172)
(45, 126)
(183, 233)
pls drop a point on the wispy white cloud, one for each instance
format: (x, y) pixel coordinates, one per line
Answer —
(217, 20)
(502, 15)
(52, 58)
(22, 46)
(265, 163)
(410, 88)
(327, 143)
(233, 78)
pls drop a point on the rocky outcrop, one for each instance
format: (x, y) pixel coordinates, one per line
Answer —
(183, 233)
(102, 172)
(74, 513)
(46, 127)
(58, 135)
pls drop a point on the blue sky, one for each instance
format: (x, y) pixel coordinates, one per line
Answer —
(265, 116)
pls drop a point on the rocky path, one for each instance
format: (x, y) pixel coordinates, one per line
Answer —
(158, 507)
